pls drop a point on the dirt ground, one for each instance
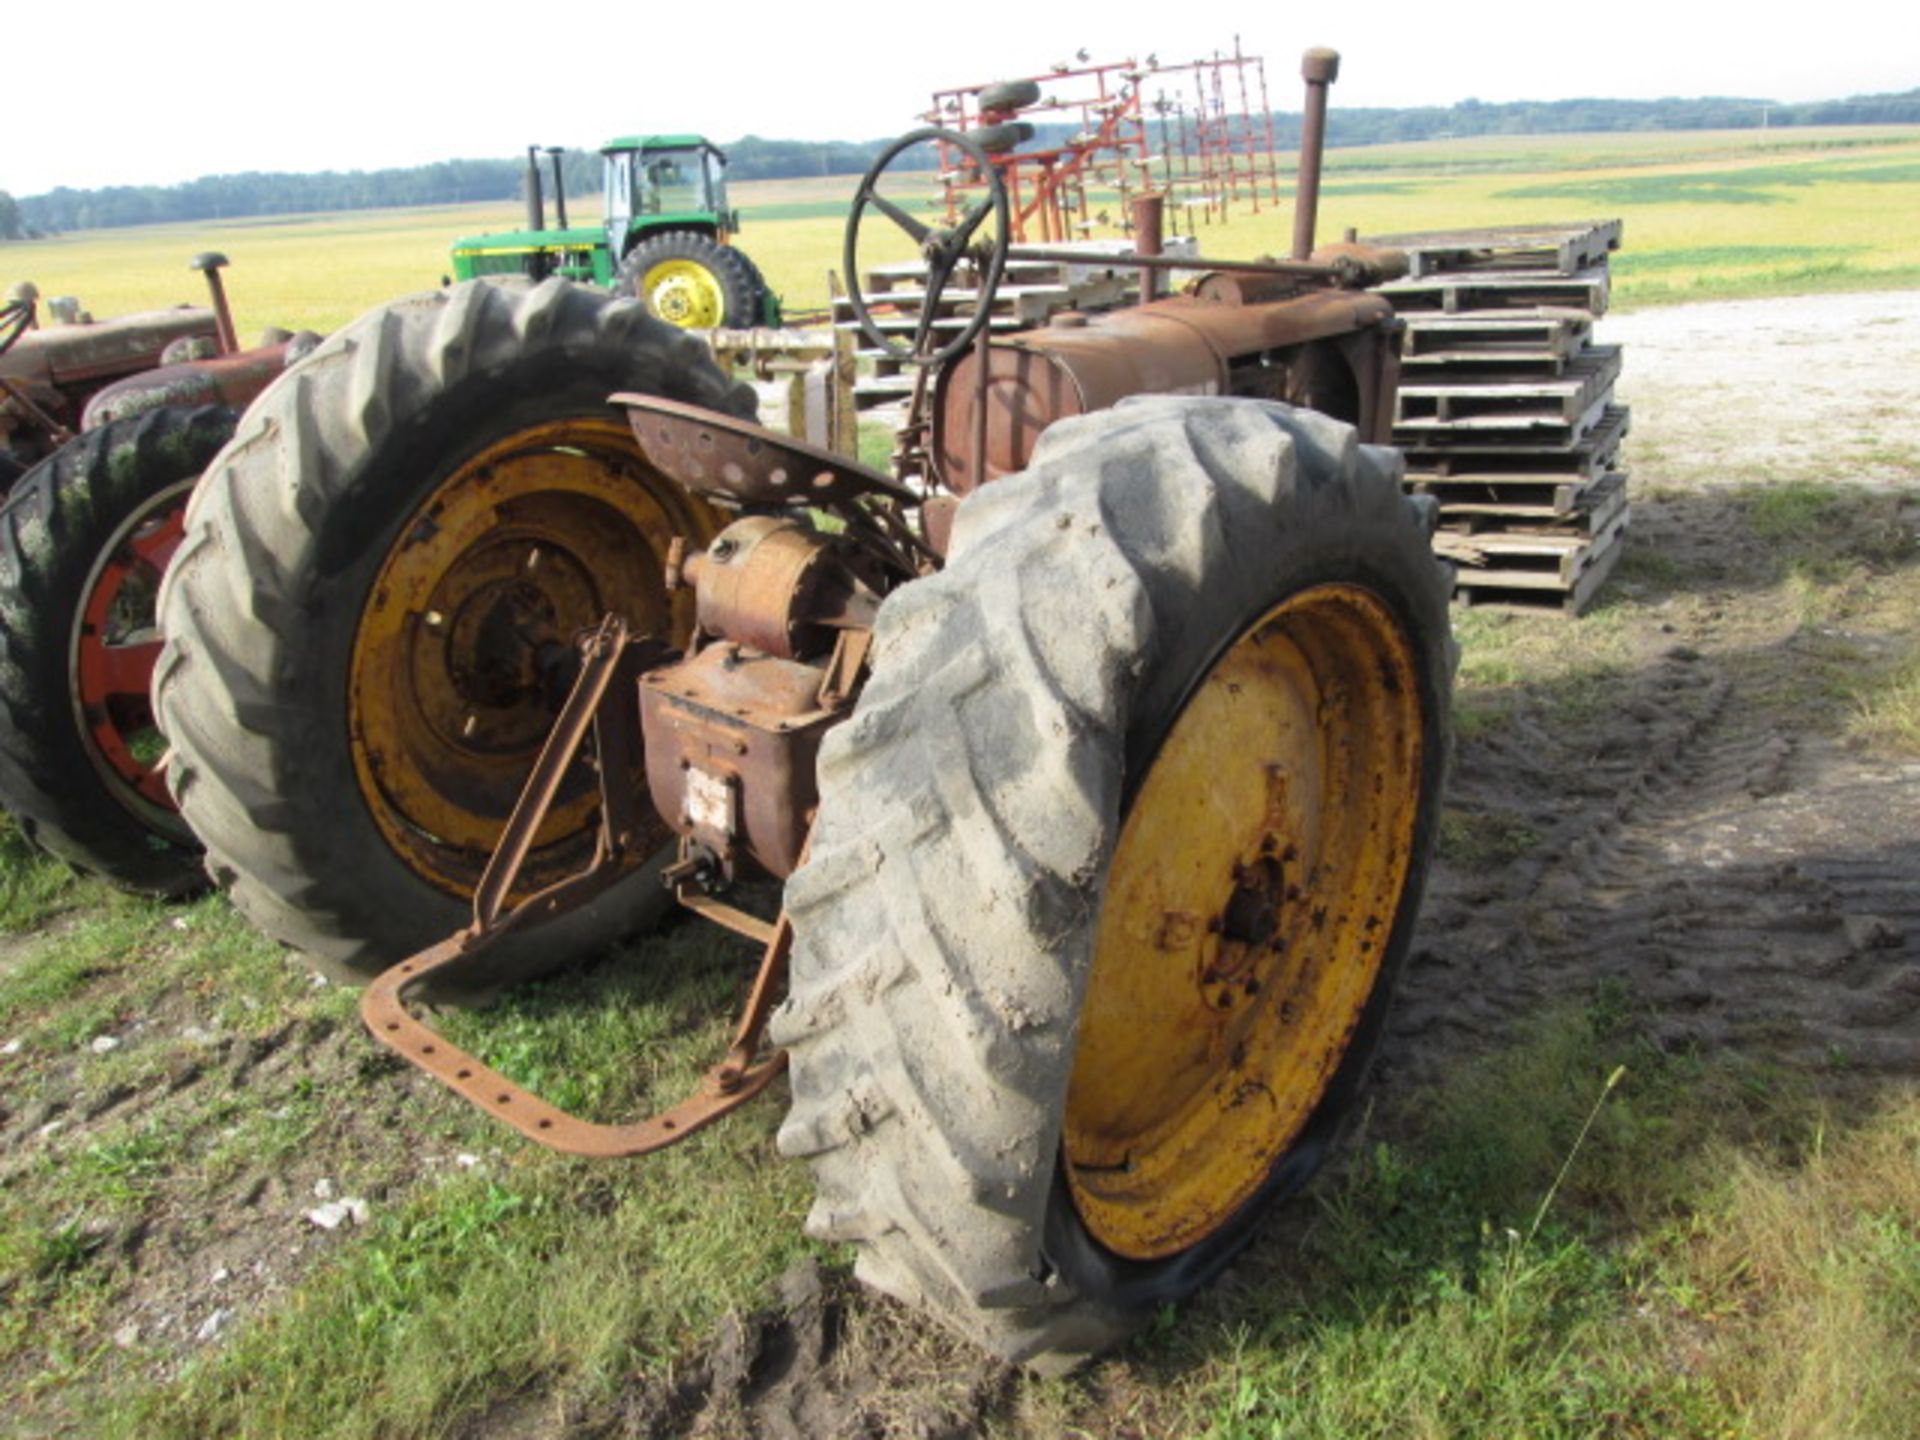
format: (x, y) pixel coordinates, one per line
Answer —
(1680, 819)
(1700, 837)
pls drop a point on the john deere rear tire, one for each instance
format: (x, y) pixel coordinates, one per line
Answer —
(378, 575)
(690, 280)
(1114, 867)
(84, 540)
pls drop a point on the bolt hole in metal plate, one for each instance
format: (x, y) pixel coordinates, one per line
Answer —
(735, 462)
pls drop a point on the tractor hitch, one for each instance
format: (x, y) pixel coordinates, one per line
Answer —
(603, 706)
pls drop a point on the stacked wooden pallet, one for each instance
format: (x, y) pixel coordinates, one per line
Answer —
(1506, 410)
(1030, 291)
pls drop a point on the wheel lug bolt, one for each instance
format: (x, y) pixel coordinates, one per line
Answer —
(473, 724)
(435, 619)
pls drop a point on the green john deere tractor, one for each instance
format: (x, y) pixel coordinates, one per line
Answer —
(666, 235)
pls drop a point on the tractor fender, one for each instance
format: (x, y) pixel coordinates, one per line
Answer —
(230, 380)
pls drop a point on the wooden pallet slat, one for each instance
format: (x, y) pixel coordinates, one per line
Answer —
(1585, 503)
(1570, 600)
(1453, 293)
(1563, 408)
(1564, 248)
(1518, 341)
(1522, 459)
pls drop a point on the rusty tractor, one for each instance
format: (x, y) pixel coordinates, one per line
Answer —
(47, 374)
(109, 425)
(1099, 765)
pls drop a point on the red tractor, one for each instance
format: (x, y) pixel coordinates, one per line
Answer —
(105, 426)
(1100, 764)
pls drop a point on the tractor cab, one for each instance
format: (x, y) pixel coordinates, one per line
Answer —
(665, 182)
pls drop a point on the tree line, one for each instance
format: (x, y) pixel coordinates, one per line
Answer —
(449, 182)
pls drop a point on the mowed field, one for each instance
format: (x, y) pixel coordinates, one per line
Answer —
(1641, 1157)
(1707, 215)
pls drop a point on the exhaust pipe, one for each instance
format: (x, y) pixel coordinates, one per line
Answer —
(554, 152)
(210, 263)
(1149, 222)
(536, 208)
(1319, 68)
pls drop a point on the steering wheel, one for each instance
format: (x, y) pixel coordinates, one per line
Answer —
(15, 316)
(943, 250)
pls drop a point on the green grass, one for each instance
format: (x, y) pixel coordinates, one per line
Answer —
(482, 1288)
(120, 956)
(73, 1208)
(33, 888)
(1833, 545)
(1709, 258)
(1522, 1250)
(876, 446)
(1746, 185)
(1886, 707)
(1792, 512)
(564, 1274)
(1500, 1271)
(1483, 842)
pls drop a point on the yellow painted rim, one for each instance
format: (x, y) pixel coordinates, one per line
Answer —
(1248, 908)
(450, 694)
(685, 293)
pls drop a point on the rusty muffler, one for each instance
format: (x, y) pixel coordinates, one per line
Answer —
(1319, 68)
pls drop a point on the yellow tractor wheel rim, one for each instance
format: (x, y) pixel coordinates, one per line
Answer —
(457, 667)
(684, 293)
(1250, 903)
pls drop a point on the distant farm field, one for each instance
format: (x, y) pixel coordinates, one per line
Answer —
(1708, 215)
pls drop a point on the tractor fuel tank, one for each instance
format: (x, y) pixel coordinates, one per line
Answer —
(1186, 345)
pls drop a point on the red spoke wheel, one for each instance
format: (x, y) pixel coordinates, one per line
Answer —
(85, 539)
(116, 642)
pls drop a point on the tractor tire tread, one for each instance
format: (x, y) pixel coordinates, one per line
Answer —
(967, 812)
(233, 695)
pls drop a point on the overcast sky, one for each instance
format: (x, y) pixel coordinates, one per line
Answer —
(116, 93)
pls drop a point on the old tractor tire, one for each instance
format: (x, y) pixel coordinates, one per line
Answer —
(1114, 867)
(1009, 95)
(690, 280)
(369, 621)
(84, 541)
(1003, 138)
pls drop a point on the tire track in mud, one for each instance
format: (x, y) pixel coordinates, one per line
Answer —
(1749, 888)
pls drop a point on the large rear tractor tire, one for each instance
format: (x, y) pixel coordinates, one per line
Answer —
(690, 280)
(1115, 864)
(84, 540)
(370, 620)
